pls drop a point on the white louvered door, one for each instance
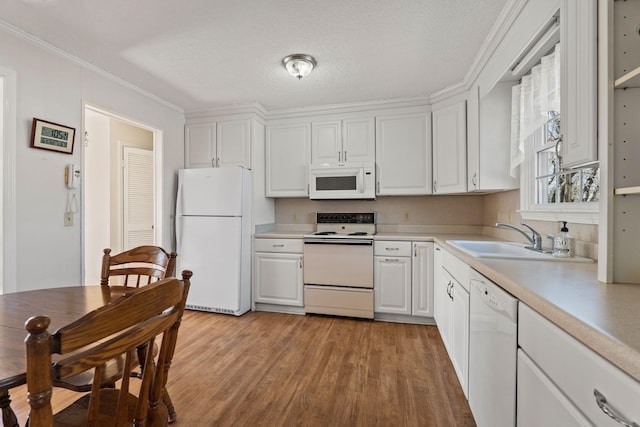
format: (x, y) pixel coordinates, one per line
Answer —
(138, 198)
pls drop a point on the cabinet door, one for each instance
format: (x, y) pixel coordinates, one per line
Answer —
(278, 278)
(358, 140)
(489, 139)
(392, 285)
(200, 146)
(460, 334)
(442, 307)
(450, 149)
(439, 288)
(288, 153)
(233, 143)
(326, 143)
(403, 154)
(422, 279)
(540, 402)
(579, 81)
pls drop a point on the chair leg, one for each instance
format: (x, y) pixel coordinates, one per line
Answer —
(169, 404)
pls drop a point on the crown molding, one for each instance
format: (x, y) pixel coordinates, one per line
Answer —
(252, 109)
(353, 107)
(19, 33)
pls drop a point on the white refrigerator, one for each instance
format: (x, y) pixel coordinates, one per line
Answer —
(213, 237)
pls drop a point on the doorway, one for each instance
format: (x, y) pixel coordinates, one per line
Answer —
(121, 194)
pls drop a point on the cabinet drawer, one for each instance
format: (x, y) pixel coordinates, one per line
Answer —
(383, 248)
(338, 301)
(458, 269)
(278, 245)
(577, 370)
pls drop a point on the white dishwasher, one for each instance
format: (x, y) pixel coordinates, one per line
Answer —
(493, 344)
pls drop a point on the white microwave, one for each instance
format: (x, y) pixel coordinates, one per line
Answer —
(350, 181)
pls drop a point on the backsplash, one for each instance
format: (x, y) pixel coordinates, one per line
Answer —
(390, 211)
(465, 211)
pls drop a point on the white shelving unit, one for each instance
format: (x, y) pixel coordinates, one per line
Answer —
(624, 228)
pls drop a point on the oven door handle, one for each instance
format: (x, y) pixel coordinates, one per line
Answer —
(324, 241)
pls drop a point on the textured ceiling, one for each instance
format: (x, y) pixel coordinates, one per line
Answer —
(207, 53)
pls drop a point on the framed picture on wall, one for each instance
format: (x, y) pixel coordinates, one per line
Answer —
(52, 136)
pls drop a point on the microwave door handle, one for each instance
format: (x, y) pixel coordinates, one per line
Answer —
(361, 180)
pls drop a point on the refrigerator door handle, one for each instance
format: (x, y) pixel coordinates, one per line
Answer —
(178, 234)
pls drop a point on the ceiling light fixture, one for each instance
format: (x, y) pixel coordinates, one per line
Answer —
(299, 65)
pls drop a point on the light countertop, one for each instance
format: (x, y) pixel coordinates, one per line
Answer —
(602, 316)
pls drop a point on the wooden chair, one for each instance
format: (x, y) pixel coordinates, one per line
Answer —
(115, 330)
(134, 268)
(138, 266)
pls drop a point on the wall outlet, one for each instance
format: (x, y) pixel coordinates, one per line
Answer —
(68, 219)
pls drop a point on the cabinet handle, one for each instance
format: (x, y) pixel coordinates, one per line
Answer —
(473, 180)
(213, 162)
(278, 246)
(218, 162)
(345, 155)
(438, 249)
(392, 249)
(435, 186)
(391, 260)
(610, 411)
(300, 262)
(339, 156)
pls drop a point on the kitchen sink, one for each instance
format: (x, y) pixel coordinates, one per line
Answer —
(506, 250)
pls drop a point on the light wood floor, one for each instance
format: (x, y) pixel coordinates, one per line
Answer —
(270, 369)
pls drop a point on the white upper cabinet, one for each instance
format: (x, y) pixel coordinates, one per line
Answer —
(450, 149)
(340, 141)
(288, 154)
(218, 144)
(403, 154)
(579, 85)
(233, 139)
(488, 139)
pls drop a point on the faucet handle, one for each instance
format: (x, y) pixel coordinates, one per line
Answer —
(535, 233)
(537, 238)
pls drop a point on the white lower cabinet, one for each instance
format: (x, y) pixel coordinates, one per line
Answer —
(278, 272)
(561, 382)
(452, 311)
(403, 278)
(540, 402)
(422, 279)
(392, 277)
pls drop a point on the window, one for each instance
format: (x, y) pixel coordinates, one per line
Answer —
(554, 184)
(548, 191)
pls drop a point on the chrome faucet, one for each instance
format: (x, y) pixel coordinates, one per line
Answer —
(535, 239)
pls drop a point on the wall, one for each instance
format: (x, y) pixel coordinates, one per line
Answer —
(52, 87)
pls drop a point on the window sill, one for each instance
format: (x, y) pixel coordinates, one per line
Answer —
(577, 215)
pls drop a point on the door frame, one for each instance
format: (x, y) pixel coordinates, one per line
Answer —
(158, 174)
(8, 215)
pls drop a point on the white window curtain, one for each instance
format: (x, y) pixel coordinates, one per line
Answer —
(531, 101)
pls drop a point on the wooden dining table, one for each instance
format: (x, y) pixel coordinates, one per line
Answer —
(62, 305)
